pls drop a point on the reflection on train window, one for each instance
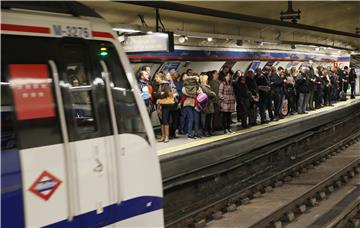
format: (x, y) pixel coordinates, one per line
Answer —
(7, 116)
(127, 113)
(80, 92)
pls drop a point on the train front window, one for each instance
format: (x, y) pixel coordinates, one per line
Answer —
(80, 91)
(128, 116)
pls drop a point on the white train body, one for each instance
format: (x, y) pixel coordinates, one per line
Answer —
(77, 144)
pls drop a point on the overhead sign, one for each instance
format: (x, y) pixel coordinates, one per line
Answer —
(149, 42)
(45, 185)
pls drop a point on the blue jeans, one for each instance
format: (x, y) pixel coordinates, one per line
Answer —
(187, 112)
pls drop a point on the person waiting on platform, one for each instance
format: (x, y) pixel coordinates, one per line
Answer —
(165, 100)
(263, 84)
(327, 87)
(145, 89)
(302, 88)
(352, 80)
(319, 84)
(214, 84)
(189, 115)
(254, 99)
(312, 87)
(243, 96)
(174, 110)
(290, 90)
(227, 102)
(208, 111)
(276, 92)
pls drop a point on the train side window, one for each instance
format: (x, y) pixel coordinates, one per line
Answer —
(27, 91)
(127, 113)
(8, 141)
(80, 94)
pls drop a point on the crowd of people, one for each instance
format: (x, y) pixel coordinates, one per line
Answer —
(198, 105)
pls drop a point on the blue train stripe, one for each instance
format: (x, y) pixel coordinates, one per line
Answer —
(12, 212)
(114, 213)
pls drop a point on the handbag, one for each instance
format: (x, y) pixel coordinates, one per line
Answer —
(169, 100)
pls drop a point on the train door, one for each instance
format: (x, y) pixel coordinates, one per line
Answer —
(91, 148)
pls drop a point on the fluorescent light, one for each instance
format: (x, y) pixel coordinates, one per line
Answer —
(209, 39)
(126, 30)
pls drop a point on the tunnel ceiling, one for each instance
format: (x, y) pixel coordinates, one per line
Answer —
(336, 15)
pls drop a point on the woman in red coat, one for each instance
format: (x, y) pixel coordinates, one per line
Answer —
(227, 102)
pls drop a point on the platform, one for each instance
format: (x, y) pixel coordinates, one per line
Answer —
(182, 155)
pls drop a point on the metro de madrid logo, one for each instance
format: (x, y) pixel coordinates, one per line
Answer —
(45, 185)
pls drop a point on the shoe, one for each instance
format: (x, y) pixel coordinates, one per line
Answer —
(181, 132)
(191, 136)
(206, 134)
(226, 131)
(162, 128)
(245, 126)
(166, 138)
(230, 131)
(305, 113)
(276, 118)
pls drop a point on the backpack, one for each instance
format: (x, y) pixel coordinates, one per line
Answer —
(201, 102)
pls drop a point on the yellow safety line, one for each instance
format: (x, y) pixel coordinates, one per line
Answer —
(203, 141)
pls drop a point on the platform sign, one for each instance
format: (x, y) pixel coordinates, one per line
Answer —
(168, 66)
(149, 42)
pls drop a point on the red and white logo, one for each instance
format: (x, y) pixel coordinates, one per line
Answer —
(31, 87)
(45, 185)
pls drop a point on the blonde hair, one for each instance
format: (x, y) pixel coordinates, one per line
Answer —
(203, 79)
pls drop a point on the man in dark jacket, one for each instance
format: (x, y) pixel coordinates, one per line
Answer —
(263, 84)
(302, 88)
(252, 86)
(277, 90)
(243, 96)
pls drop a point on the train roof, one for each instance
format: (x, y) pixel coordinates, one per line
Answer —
(66, 7)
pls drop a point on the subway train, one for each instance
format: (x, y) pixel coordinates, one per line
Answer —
(77, 145)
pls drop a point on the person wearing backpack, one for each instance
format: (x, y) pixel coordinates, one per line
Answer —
(208, 110)
(190, 91)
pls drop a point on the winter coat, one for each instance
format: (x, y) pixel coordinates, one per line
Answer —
(252, 86)
(214, 86)
(352, 78)
(277, 84)
(211, 98)
(301, 84)
(163, 90)
(262, 82)
(227, 97)
(191, 86)
(242, 94)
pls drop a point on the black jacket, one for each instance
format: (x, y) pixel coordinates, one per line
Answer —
(252, 86)
(277, 84)
(301, 84)
(242, 93)
(261, 81)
